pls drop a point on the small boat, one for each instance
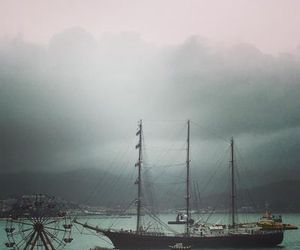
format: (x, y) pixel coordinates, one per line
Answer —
(182, 218)
(273, 222)
(180, 246)
(289, 227)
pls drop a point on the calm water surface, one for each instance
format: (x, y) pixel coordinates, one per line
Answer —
(84, 239)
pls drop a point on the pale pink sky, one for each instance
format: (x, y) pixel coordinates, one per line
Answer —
(272, 25)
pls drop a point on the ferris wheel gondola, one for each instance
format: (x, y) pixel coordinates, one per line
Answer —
(37, 223)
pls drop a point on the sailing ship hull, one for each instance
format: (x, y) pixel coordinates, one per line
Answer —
(126, 240)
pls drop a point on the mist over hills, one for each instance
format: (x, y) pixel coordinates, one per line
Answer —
(79, 186)
(276, 196)
(75, 102)
(101, 188)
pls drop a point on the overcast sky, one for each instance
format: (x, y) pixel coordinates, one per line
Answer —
(76, 76)
(272, 25)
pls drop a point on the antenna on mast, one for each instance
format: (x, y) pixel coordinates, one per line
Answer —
(139, 166)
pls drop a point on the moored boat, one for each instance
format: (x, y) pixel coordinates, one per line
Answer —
(180, 246)
(273, 222)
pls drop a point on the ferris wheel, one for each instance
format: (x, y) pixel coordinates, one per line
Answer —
(38, 222)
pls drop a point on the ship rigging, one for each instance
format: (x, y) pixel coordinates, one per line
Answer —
(196, 234)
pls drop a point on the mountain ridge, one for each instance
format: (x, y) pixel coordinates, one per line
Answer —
(103, 188)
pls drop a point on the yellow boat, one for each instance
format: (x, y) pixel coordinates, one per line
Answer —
(272, 222)
(270, 225)
(289, 227)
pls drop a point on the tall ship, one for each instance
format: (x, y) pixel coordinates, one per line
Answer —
(196, 234)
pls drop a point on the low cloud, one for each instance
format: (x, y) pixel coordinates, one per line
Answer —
(70, 103)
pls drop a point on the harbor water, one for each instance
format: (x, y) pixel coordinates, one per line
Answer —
(84, 239)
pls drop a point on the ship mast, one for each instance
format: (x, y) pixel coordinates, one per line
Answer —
(138, 181)
(233, 195)
(188, 179)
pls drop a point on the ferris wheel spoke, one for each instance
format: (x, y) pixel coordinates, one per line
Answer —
(26, 240)
(31, 219)
(43, 241)
(52, 236)
(56, 229)
(40, 217)
(49, 218)
(48, 240)
(24, 223)
(44, 219)
(22, 231)
(50, 222)
(34, 241)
